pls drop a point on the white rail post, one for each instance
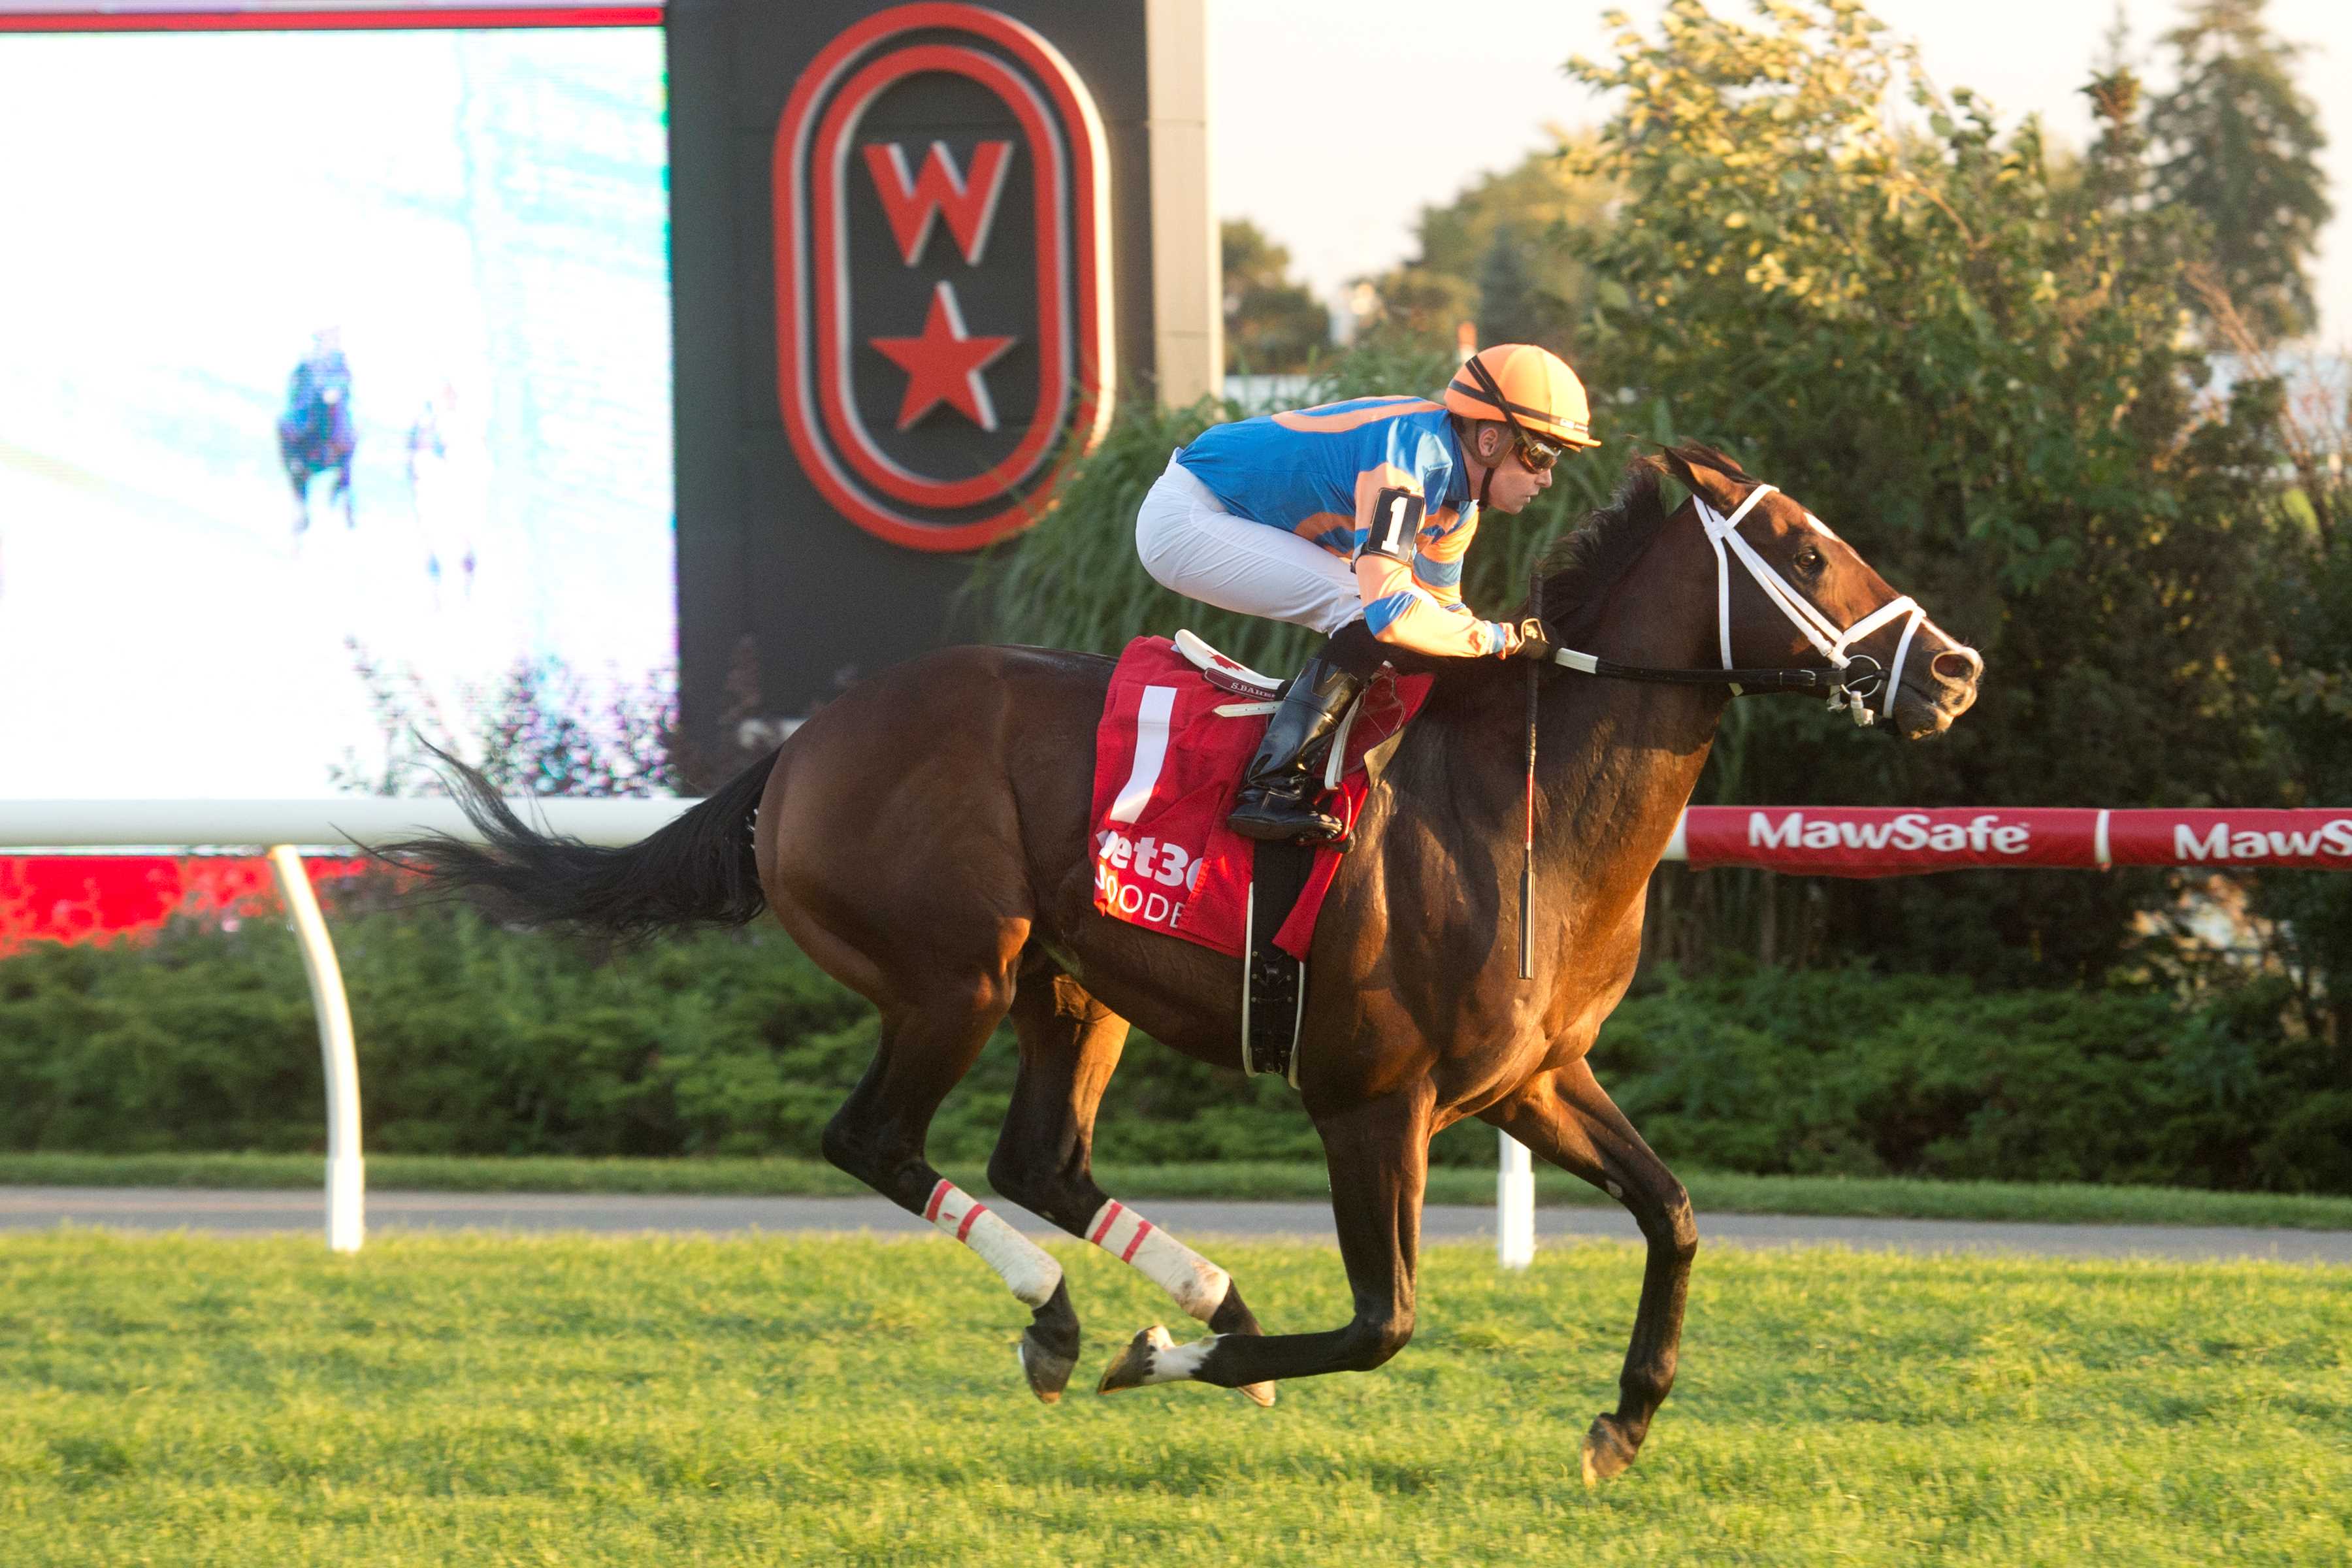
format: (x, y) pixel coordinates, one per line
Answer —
(346, 1174)
(1515, 1206)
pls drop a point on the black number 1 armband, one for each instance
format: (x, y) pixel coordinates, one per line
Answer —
(1396, 525)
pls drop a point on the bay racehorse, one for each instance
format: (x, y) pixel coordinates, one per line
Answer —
(925, 839)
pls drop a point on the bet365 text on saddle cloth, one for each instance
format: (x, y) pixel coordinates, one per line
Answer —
(1167, 764)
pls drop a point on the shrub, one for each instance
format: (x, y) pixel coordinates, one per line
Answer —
(1852, 1072)
(478, 1040)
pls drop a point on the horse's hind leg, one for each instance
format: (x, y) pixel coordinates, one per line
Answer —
(929, 1042)
(1044, 1160)
(1378, 1155)
(1568, 1119)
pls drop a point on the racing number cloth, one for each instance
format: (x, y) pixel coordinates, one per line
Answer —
(1167, 766)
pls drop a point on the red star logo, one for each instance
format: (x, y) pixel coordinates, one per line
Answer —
(943, 365)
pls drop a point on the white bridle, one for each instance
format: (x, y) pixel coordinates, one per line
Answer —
(1827, 640)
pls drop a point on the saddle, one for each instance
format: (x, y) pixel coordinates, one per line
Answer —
(1178, 728)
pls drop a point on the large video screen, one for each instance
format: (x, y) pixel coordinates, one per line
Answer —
(331, 363)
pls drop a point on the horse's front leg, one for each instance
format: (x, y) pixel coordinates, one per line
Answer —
(1378, 1153)
(1566, 1118)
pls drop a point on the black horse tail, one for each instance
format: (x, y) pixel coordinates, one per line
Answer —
(698, 870)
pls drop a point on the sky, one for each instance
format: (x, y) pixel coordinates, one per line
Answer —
(1328, 170)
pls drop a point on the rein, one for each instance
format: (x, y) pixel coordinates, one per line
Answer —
(1852, 679)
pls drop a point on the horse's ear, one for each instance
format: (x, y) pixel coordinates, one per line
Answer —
(1696, 468)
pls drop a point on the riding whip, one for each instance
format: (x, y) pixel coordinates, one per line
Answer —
(1527, 839)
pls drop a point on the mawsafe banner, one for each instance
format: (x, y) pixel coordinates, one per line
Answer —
(1895, 841)
(943, 305)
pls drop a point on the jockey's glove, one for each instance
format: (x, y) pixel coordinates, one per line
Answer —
(1532, 640)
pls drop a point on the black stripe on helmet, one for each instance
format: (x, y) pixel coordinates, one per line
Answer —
(1496, 400)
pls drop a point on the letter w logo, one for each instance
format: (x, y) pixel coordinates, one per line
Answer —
(911, 201)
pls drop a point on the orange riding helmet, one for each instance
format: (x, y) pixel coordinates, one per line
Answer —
(1529, 388)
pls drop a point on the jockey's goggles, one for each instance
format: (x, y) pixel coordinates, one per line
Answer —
(1536, 453)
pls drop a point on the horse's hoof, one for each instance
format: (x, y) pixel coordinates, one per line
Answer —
(1606, 1452)
(1047, 1372)
(1260, 1393)
(1132, 1368)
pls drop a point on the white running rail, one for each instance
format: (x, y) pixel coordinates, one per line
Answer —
(55, 827)
(279, 827)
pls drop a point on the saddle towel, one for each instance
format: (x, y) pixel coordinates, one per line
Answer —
(1177, 730)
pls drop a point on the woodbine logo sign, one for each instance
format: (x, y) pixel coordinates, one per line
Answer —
(943, 300)
(1897, 841)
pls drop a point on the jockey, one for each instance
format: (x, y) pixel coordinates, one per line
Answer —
(1353, 518)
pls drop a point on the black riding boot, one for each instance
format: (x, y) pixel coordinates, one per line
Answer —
(1286, 774)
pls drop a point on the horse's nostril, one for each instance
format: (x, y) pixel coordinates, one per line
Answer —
(1958, 664)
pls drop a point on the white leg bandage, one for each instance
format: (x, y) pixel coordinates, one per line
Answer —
(1198, 1285)
(1027, 1270)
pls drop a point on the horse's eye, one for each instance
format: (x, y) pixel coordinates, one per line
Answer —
(1809, 561)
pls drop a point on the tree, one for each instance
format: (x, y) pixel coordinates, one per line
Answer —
(2240, 146)
(1511, 310)
(1508, 230)
(1272, 324)
(1972, 373)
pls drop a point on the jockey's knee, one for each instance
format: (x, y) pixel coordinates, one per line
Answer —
(1353, 648)
(1151, 549)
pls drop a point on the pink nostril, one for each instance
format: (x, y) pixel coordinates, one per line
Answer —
(1958, 664)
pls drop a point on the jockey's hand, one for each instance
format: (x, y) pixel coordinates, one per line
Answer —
(1530, 641)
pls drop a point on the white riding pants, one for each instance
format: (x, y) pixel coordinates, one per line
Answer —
(1191, 543)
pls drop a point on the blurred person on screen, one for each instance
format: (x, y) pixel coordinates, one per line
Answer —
(315, 434)
(446, 475)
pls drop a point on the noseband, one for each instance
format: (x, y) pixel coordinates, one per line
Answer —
(1851, 679)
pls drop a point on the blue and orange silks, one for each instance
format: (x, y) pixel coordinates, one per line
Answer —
(1317, 473)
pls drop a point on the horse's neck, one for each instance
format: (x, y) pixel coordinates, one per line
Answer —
(1617, 759)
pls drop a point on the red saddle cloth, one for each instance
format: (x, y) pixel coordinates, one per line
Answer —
(1167, 767)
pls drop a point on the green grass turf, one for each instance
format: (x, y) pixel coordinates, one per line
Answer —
(483, 1401)
(1721, 1192)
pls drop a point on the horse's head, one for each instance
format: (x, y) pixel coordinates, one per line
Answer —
(1790, 593)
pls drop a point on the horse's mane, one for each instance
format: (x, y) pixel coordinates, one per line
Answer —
(1578, 572)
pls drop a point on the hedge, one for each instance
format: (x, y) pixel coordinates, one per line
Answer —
(475, 1039)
